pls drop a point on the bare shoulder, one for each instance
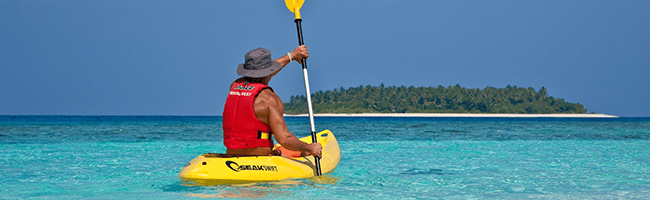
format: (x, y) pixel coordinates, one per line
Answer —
(267, 106)
(269, 97)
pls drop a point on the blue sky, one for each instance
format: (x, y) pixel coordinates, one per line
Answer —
(178, 57)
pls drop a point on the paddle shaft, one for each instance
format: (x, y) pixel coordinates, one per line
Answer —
(311, 111)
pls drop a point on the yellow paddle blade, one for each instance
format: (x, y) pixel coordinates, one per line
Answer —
(294, 6)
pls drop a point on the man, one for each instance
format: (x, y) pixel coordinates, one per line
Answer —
(253, 112)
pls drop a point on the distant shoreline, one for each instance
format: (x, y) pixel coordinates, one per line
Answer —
(456, 115)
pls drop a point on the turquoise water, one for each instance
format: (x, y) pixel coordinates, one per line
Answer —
(113, 157)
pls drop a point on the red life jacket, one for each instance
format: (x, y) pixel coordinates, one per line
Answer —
(241, 128)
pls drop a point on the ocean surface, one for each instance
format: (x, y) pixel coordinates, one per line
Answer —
(139, 157)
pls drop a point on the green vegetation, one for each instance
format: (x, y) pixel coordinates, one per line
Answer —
(456, 99)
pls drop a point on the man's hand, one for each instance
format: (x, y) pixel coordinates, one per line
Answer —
(315, 149)
(299, 53)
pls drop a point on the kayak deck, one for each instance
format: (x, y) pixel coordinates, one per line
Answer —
(216, 169)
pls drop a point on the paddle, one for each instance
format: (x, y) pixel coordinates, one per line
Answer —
(294, 6)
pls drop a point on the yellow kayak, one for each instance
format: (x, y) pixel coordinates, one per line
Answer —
(215, 169)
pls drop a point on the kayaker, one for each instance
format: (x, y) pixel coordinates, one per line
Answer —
(254, 113)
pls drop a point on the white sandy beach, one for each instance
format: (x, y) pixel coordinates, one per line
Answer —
(455, 115)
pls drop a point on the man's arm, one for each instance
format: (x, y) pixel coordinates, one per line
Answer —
(297, 54)
(275, 109)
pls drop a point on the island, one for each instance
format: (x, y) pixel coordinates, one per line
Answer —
(435, 101)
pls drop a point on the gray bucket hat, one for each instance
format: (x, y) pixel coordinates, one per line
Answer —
(258, 64)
